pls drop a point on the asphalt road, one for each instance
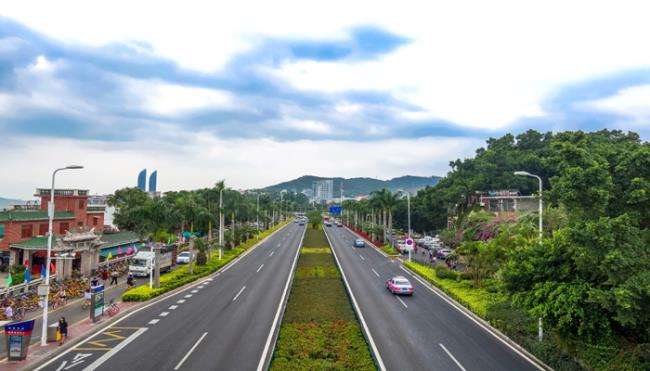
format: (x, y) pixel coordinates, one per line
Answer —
(223, 322)
(420, 332)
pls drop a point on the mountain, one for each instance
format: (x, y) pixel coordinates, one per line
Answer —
(353, 187)
(4, 202)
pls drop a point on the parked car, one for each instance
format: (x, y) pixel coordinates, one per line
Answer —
(183, 258)
(359, 243)
(399, 285)
(444, 253)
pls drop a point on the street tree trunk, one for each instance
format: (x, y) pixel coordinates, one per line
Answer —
(190, 268)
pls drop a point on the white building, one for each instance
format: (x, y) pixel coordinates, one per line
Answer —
(323, 190)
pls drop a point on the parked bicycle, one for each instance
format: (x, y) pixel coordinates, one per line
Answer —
(113, 308)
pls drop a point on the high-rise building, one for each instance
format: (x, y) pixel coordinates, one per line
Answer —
(142, 180)
(152, 181)
(323, 190)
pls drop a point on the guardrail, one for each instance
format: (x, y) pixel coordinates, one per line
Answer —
(22, 287)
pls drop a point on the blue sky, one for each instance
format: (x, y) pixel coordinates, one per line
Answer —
(203, 92)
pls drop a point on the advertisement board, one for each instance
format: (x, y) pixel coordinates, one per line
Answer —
(17, 337)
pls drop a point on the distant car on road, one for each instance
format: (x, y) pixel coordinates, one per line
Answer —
(399, 285)
(183, 258)
(339, 224)
(359, 243)
(328, 224)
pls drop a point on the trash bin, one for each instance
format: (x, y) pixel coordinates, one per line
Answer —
(51, 332)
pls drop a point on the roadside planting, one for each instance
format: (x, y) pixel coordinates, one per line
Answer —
(319, 329)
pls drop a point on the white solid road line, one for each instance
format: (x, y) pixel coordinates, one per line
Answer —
(112, 352)
(380, 362)
(362, 258)
(164, 314)
(452, 357)
(239, 293)
(375, 272)
(401, 301)
(260, 268)
(172, 307)
(271, 254)
(154, 321)
(181, 301)
(489, 331)
(190, 352)
(267, 346)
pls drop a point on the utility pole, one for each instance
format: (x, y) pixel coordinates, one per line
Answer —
(190, 268)
(156, 283)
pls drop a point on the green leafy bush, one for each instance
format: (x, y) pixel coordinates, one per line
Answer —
(443, 272)
(389, 249)
(465, 276)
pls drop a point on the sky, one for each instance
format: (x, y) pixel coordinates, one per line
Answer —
(260, 92)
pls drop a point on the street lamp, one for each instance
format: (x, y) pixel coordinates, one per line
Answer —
(408, 208)
(540, 331)
(221, 217)
(257, 216)
(50, 214)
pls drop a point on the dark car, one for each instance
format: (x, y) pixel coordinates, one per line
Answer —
(359, 243)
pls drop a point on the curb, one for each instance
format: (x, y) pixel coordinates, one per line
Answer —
(486, 325)
(476, 318)
(141, 305)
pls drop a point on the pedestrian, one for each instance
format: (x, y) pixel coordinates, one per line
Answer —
(114, 277)
(63, 330)
(129, 281)
(9, 312)
(104, 276)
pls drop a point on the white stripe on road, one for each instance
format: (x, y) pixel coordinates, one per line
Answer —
(279, 244)
(199, 287)
(181, 301)
(271, 254)
(239, 293)
(194, 291)
(117, 348)
(172, 307)
(164, 314)
(260, 268)
(375, 272)
(190, 352)
(188, 296)
(267, 346)
(402, 301)
(154, 321)
(452, 357)
(362, 258)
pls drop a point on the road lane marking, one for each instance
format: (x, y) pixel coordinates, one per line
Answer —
(194, 291)
(181, 301)
(154, 321)
(269, 339)
(188, 296)
(260, 268)
(271, 254)
(172, 307)
(199, 287)
(190, 352)
(113, 351)
(164, 314)
(375, 272)
(375, 351)
(402, 301)
(239, 293)
(279, 244)
(484, 327)
(208, 279)
(452, 357)
(362, 258)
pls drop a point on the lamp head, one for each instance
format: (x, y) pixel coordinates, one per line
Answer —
(74, 167)
(523, 173)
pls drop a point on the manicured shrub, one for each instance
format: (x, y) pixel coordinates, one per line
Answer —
(445, 273)
(465, 276)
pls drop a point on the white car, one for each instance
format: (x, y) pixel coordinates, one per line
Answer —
(183, 258)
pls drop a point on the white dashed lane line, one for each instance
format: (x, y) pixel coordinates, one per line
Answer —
(271, 254)
(181, 301)
(239, 293)
(164, 314)
(172, 307)
(362, 258)
(188, 296)
(154, 321)
(452, 357)
(260, 268)
(402, 301)
(375, 272)
(194, 291)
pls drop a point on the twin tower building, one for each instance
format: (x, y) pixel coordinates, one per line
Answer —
(142, 180)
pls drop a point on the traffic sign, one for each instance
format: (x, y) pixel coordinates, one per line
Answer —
(409, 242)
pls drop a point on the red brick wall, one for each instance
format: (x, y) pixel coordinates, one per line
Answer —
(100, 221)
(71, 204)
(13, 230)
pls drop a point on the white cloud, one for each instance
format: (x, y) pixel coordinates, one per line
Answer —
(309, 126)
(244, 163)
(633, 102)
(158, 97)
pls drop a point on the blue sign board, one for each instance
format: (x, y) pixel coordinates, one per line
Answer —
(96, 289)
(20, 328)
(17, 337)
(335, 209)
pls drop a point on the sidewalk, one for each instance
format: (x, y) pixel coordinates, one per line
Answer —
(75, 316)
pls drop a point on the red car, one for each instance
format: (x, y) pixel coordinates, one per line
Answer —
(399, 285)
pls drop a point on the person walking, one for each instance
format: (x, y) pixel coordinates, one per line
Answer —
(9, 313)
(114, 278)
(129, 281)
(63, 330)
(104, 276)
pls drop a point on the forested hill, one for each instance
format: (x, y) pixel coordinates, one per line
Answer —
(5, 202)
(359, 186)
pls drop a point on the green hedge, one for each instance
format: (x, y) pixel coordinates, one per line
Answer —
(389, 249)
(181, 276)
